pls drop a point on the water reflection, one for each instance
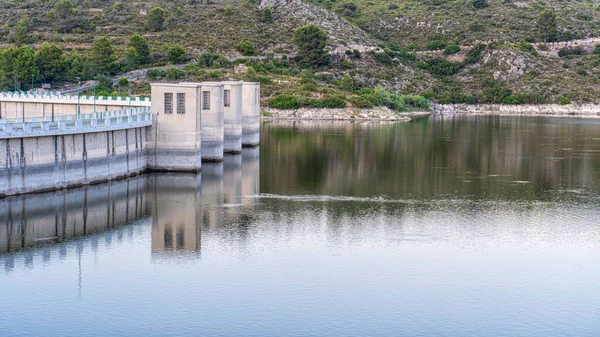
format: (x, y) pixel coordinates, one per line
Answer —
(36, 219)
(180, 206)
(363, 251)
(497, 157)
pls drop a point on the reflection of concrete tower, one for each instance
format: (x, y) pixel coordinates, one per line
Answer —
(174, 203)
(232, 186)
(211, 195)
(250, 173)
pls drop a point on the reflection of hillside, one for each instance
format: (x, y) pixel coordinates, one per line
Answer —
(35, 219)
(472, 156)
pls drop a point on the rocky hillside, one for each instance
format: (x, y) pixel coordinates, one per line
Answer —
(451, 51)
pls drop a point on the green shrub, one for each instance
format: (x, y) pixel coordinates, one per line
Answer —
(452, 49)
(176, 54)
(383, 58)
(564, 100)
(567, 51)
(175, 73)
(391, 7)
(474, 55)
(494, 92)
(212, 60)
(526, 47)
(512, 99)
(266, 15)
(245, 48)
(155, 73)
(436, 45)
(416, 101)
(361, 102)
(597, 49)
(284, 101)
(347, 83)
(479, 4)
(441, 67)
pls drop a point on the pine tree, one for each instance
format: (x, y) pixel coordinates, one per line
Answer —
(311, 42)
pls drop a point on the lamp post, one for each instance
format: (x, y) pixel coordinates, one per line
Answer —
(78, 96)
(32, 83)
(95, 94)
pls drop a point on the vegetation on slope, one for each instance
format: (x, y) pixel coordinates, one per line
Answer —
(450, 51)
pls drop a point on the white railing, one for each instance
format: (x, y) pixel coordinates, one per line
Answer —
(20, 96)
(61, 125)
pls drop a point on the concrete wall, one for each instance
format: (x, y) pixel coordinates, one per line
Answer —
(250, 114)
(176, 142)
(60, 161)
(233, 118)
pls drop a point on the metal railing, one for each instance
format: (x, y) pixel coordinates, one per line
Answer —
(22, 96)
(69, 124)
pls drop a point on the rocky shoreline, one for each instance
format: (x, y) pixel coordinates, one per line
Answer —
(372, 114)
(567, 110)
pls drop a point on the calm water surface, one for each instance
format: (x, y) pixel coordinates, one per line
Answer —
(457, 226)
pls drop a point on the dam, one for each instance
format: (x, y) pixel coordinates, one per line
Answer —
(50, 142)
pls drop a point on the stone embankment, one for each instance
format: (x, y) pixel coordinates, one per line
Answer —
(373, 114)
(570, 110)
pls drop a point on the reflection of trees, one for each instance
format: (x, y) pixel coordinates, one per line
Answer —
(471, 156)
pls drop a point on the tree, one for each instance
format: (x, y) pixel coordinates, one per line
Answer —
(245, 48)
(62, 12)
(479, 4)
(311, 42)
(176, 54)
(141, 52)
(76, 66)
(51, 61)
(266, 15)
(155, 20)
(21, 32)
(17, 63)
(546, 24)
(102, 57)
(347, 83)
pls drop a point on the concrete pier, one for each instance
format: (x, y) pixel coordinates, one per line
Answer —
(250, 114)
(176, 143)
(213, 121)
(233, 117)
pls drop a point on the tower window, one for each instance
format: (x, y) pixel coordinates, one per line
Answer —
(227, 98)
(180, 103)
(168, 103)
(206, 100)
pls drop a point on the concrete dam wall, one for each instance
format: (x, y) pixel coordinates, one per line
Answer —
(184, 125)
(59, 161)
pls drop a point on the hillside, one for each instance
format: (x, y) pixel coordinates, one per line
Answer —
(399, 44)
